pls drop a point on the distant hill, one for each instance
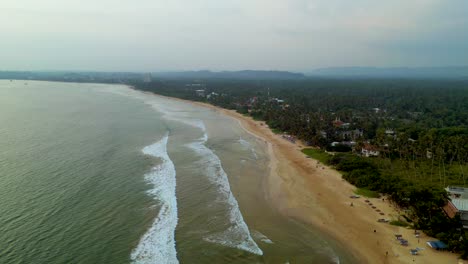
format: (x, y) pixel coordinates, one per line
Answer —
(240, 75)
(458, 72)
(113, 77)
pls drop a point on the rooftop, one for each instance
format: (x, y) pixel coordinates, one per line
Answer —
(457, 192)
(460, 204)
(450, 210)
(456, 189)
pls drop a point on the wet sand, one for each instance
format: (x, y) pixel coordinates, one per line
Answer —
(318, 195)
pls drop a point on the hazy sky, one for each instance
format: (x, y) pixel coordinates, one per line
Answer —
(297, 35)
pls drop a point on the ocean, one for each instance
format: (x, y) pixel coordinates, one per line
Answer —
(97, 173)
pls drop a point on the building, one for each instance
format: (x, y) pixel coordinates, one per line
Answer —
(369, 151)
(344, 143)
(200, 93)
(390, 133)
(212, 94)
(277, 100)
(340, 124)
(351, 134)
(458, 204)
(456, 192)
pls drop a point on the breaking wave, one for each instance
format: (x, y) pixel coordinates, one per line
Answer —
(262, 237)
(237, 235)
(158, 244)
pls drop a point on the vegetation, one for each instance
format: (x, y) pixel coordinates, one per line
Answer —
(277, 131)
(367, 193)
(317, 154)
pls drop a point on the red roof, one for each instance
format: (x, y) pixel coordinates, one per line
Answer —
(369, 147)
(338, 123)
(450, 209)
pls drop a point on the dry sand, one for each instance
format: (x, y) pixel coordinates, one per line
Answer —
(319, 196)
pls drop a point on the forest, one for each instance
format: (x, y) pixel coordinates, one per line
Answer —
(414, 133)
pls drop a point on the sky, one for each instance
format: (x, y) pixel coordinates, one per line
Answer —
(173, 35)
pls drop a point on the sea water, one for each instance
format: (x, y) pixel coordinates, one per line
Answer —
(94, 173)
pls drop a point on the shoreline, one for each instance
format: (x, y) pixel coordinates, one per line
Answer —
(315, 194)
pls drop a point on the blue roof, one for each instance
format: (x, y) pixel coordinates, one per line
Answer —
(437, 244)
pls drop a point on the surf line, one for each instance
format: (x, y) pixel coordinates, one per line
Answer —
(158, 244)
(238, 234)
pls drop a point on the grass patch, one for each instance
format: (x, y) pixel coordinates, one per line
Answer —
(317, 154)
(276, 131)
(366, 193)
(399, 223)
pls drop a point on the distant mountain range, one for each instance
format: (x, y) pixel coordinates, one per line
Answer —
(460, 72)
(240, 75)
(396, 72)
(121, 76)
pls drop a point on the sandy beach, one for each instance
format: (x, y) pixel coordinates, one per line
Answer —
(315, 194)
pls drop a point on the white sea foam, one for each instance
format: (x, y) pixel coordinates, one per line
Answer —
(158, 244)
(247, 145)
(244, 143)
(237, 235)
(262, 237)
(336, 259)
(327, 250)
(254, 153)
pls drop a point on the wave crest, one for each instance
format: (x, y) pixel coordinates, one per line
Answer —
(158, 244)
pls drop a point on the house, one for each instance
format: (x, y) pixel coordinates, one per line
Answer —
(458, 204)
(369, 151)
(340, 124)
(348, 143)
(212, 94)
(337, 122)
(462, 208)
(456, 192)
(351, 134)
(200, 93)
(194, 85)
(343, 143)
(390, 132)
(458, 207)
(277, 100)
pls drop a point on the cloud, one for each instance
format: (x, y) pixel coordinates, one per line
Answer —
(232, 34)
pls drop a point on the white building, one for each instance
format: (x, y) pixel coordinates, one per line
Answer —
(200, 93)
(369, 151)
(459, 203)
(456, 192)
